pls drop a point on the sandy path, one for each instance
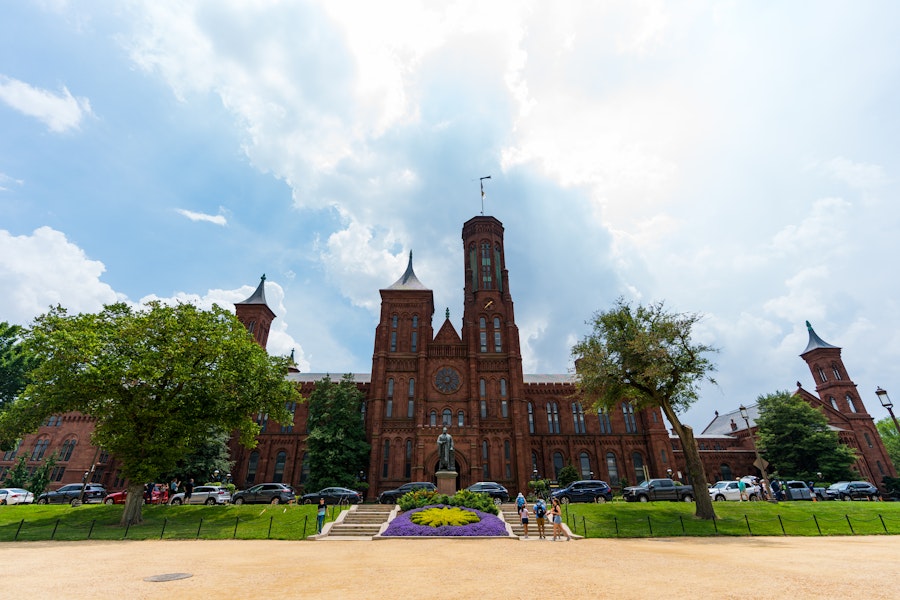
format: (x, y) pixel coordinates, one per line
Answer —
(635, 568)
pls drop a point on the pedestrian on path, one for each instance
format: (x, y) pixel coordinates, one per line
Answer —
(556, 513)
(540, 514)
(523, 514)
(320, 515)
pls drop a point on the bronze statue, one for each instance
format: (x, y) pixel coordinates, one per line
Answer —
(445, 451)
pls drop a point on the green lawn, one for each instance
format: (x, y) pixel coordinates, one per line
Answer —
(621, 519)
(101, 522)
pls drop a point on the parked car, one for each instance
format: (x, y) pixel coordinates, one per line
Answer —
(796, 490)
(160, 496)
(69, 494)
(586, 490)
(658, 489)
(852, 490)
(493, 489)
(15, 496)
(333, 495)
(265, 493)
(204, 494)
(391, 496)
(730, 490)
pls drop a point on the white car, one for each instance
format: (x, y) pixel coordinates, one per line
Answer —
(204, 494)
(15, 496)
(729, 490)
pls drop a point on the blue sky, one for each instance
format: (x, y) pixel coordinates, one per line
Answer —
(734, 159)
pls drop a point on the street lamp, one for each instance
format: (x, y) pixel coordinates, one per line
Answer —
(759, 461)
(886, 402)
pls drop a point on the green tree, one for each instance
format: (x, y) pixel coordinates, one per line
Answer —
(212, 455)
(40, 478)
(888, 432)
(645, 355)
(567, 475)
(14, 363)
(794, 437)
(154, 379)
(337, 445)
(17, 476)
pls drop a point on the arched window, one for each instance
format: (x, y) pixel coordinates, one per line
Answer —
(628, 412)
(504, 404)
(613, 468)
(485, 461)
(507, 455)
(67, 448)
(880, 467)
(410, 405)
(288, 426)
(389, 405)
(868, 439)
(725, 470)
(578, 417)
(497, 267)
(557, 464)
(585, 461)
(833, 403)
(474, 266)
(482, 392)
(486, 275)
(39, 449)
(534, 469)
(280, 459)
(415, 333)
(394, 333)
(482, 334)
(552, 417)
(498, 343)
(445, 417)
(638, 462)
(304, 469)
(836, 371)
(386, 459)
(850, 403)
(11, 454)
(252, 465)
(407, 461)
(821, 373)
(460, 419)
(603, 417)
(530, 418)
(432, 419)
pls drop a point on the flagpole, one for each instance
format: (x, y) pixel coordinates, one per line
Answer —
(481, 181)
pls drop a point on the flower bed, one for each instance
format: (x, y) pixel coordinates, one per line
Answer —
(487, 526)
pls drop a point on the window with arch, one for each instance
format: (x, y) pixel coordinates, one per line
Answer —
(482, 334)
(552, 417)
(386, 459)
(389, 404)
(445, 417)
(558, 464)
(880, 467)
(432, 418)
(414, 340)
(534, 469)
(407, 460)
(498, 342)
(821, 373)
(473, 265)
(836, 371)
(262, 419)
(252, 465)
(410, 404)
(628, 413)
(288, 426)
(663, 456)
(612, 468)
(504, 404)
(486, 275)
(57, 473)
(362, 413)
(603, 417)
(485, 460)
(868, 439)
(850, 403)
(507, 458)
(482, 392)
(393, 333)
(638, 461)
(585, 462)
(11, 453)
(460, 419)
(280, 459)
(39, 449)
(578, 417)
(725, 471)
(530, 418)
(834, 404)
(65, 452)
(304, 469)
(498, 268)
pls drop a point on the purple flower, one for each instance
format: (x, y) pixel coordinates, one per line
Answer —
(489, 525)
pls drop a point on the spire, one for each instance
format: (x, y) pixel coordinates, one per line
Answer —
(259, 296)
(815, 341)
(409, 281)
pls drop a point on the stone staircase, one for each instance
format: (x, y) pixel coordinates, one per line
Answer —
(511, 516)
(360, 522)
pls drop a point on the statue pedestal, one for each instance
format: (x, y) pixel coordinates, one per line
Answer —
(446, 482)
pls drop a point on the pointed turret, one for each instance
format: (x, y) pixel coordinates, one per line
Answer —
(408, 281)
(815, 342)
(255, 313)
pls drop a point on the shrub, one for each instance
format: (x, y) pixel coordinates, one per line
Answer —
(441, 516)
(463, 498)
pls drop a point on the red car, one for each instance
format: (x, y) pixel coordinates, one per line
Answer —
(160, 496)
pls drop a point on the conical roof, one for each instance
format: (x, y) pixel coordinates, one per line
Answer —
(815, 342)
(259, 296)
(409, 281)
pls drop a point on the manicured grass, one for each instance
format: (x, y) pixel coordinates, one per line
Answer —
(101, 522)
(662, 519)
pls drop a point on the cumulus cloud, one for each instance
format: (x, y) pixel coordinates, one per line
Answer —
(196, 216)
(6, 181)
(60, 112)
(855, 174)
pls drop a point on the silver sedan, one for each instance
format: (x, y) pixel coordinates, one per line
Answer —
(204, 494)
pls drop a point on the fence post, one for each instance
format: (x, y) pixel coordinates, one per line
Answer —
(817, 524)
(850, 524)
(680, 518)
(165, 522)
(198, 527)
(22, 522)
(716, 524)
(127, 527)
(52, 535)
(92, 528)
(616, 521)
(748, 524)
(882, 523)
(780, 522)
(584, 524)
(650, 525)
(234, 535)
(272, 518)
(305, 521)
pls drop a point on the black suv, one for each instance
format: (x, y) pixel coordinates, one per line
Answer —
(265, 493)
(71, 492)
(391, 496)
(586, 490)
(492, 489)
(852, 490)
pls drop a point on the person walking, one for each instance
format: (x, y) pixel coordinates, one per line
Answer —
(540, 514)
(520, 503)
(742, 488)
(320, 516)
(556, 513)
(523, 514)
(188, 490)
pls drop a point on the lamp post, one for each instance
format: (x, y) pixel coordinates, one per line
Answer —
(886, 402)
(759, 461)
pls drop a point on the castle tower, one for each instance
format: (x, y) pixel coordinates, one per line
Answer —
(841, 403)
(255, 314)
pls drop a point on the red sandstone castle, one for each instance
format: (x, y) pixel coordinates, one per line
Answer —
(507, 426)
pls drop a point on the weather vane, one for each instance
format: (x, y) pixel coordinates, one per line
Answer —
(481, 181)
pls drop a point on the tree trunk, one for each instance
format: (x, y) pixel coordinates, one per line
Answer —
(133, 503)
(685, 433)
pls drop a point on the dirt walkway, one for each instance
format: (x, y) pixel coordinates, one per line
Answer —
(796, 568)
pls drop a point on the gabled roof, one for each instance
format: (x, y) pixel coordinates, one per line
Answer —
(815, 342)
(409, 281)
(447, 334)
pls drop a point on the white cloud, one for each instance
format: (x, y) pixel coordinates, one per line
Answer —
(6, 180)
(855, 174)
(59, 112)
(195, 216)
